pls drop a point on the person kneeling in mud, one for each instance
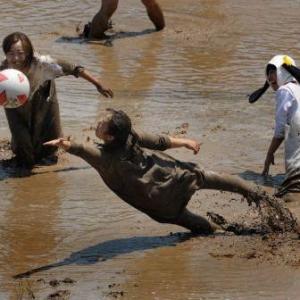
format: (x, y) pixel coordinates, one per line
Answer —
(151, 181)
(283, 77)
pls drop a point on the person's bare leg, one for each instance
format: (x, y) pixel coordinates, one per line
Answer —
(100, 21)
(155, 13)
(195, 223)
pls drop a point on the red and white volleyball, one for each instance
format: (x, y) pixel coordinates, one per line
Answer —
(14, 88)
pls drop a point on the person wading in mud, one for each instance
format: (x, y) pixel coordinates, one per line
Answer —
(100, 22)
(150, 180)
(38, 120)
(282, 75)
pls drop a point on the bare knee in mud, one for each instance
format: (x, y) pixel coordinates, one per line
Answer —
(195, 223)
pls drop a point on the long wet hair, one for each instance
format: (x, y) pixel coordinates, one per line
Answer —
(119, 126)
(26, 43)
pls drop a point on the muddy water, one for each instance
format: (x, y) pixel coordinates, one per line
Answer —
(198, 70)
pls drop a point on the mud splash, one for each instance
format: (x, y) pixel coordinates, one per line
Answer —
(275, 217)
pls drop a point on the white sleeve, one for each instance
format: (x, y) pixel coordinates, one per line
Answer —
(284, 101)
(50, 68)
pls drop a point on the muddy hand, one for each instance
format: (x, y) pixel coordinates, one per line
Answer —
(193, 145)
(60, 142)
(108, 93)
(255, 197)
(270, 160)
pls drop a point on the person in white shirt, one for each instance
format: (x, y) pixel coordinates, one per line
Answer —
(38, 120)
(284, 77)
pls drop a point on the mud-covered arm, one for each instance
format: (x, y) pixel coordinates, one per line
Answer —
(79, 71)
(163, 142)
(69, 68)
(106, 92)
(152, 141)
(186, 143)
(92, 156)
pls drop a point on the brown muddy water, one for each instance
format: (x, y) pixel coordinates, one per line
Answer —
(78, 239)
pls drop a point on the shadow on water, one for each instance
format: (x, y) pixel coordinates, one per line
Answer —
(16, 172)
(268, 181)
(13, 172)
(113, 248)
(108, 42)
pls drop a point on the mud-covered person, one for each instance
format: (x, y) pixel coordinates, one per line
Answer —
(100, 22)
(133, 166)
(38, 120)
(284, 77)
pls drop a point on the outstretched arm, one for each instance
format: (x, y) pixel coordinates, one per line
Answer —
(91, 155)
(61, 67)
(90, 78)
(163, 142)
(184, 142)
(60, 142)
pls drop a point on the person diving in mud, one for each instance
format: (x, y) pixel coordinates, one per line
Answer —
(284, 77)
(101, 21)
(133, 166)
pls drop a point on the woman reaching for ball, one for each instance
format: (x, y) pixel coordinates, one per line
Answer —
(38, 119)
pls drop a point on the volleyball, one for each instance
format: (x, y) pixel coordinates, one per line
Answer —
(14, 88)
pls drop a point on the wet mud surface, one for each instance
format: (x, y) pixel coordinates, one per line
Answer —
(266, 234)
(64, 235)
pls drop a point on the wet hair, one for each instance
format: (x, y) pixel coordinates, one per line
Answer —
(119, 127)
(270, 68)
(26, 43)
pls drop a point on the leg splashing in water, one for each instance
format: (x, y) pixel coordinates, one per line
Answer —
(275, 217)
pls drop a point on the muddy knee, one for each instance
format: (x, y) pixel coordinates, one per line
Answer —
(195, 223)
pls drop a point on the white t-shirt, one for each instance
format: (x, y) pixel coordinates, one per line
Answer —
(287, 123)
(286, 107)
(42, 68)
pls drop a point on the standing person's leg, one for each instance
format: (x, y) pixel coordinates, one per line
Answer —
(99, 22)
(21, 141)
(45, 122)
(155, 13)
(195, 223)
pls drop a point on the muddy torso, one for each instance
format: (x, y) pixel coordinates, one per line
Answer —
(151, 181)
